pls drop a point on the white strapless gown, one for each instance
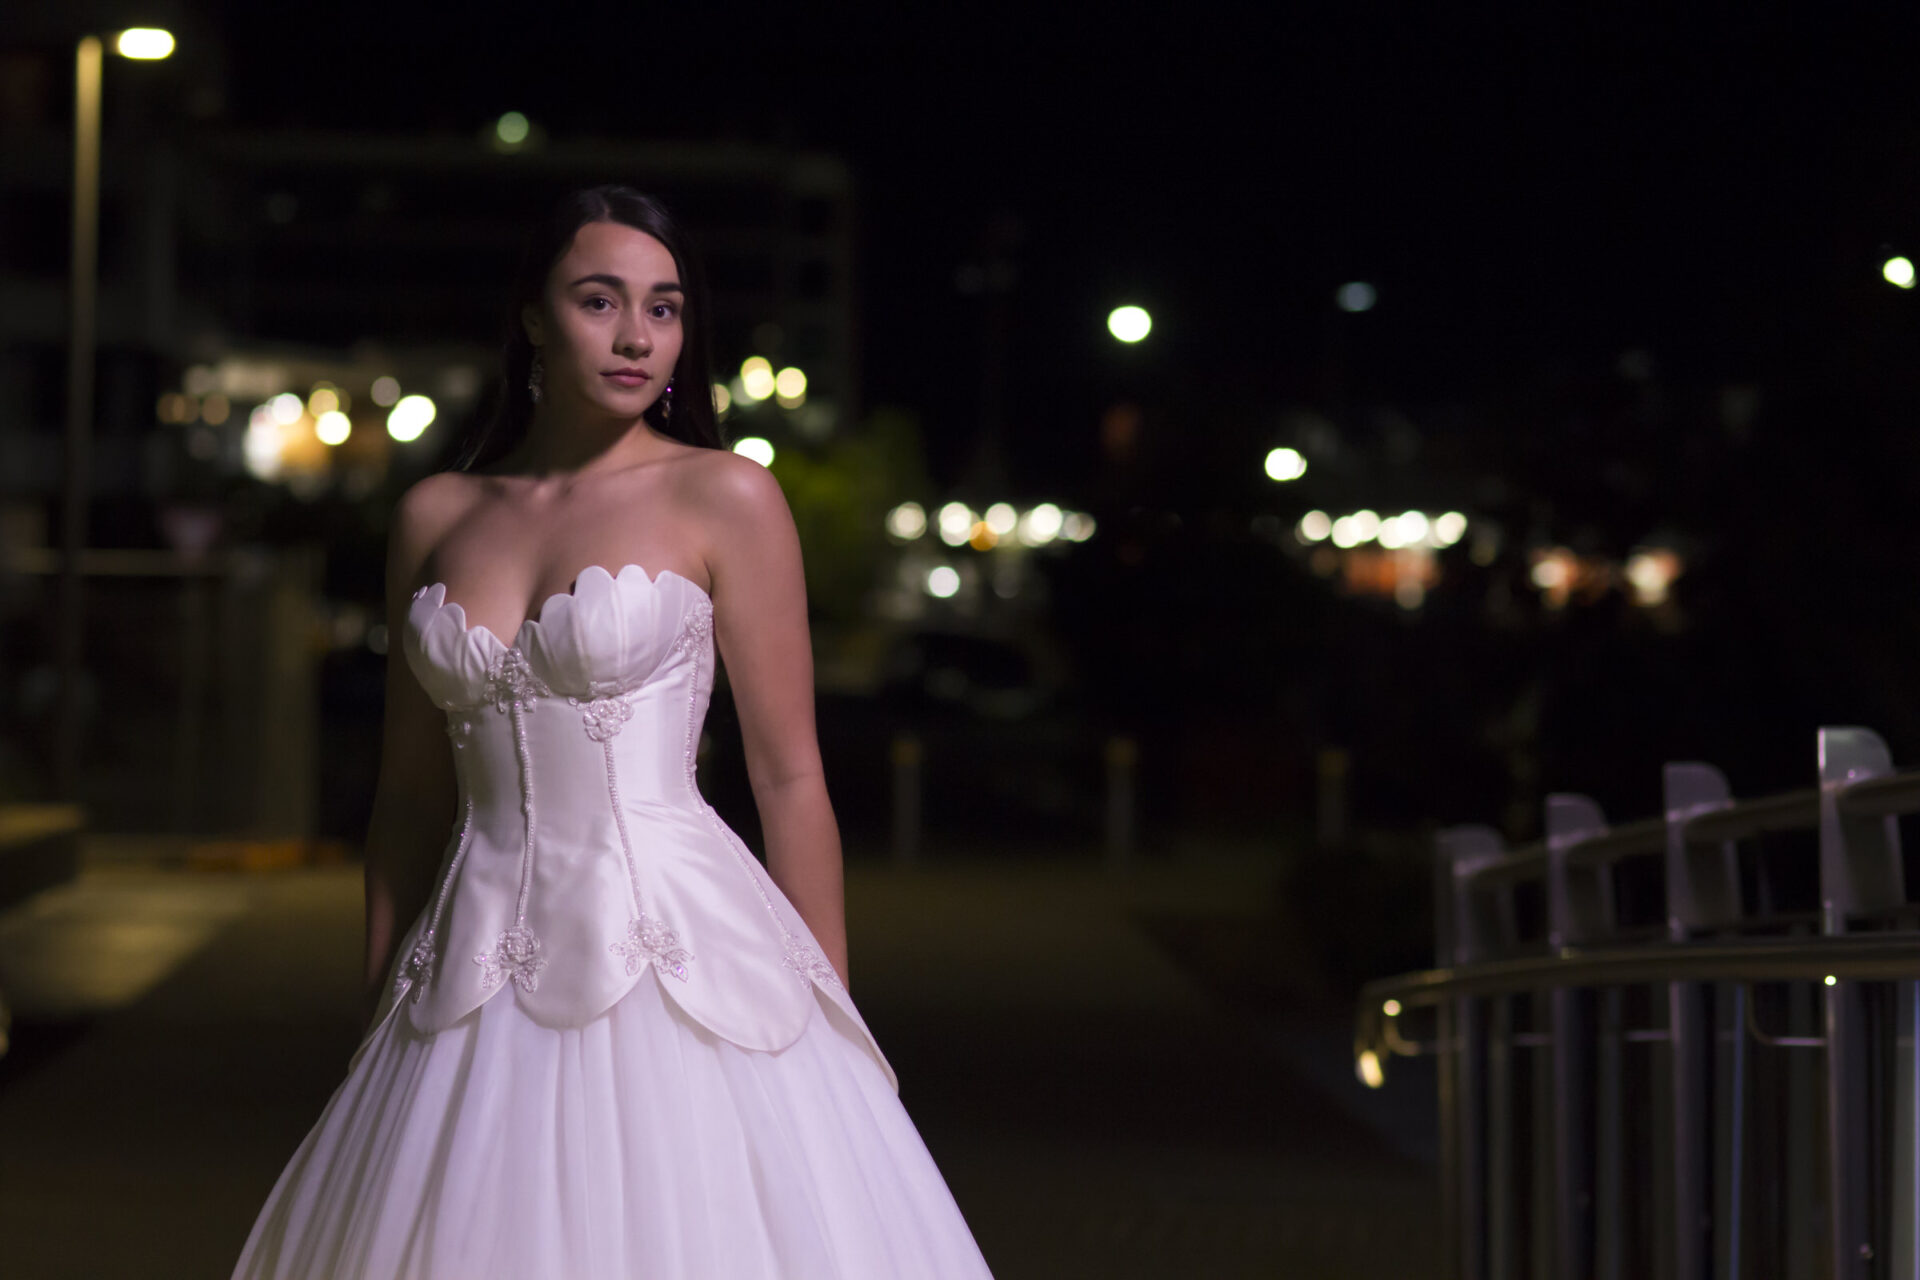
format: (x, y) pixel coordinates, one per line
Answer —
(609, 1046)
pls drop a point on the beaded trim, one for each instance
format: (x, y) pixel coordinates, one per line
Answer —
(648, 940)
(418, 969)
(799, 955)
(512, 688)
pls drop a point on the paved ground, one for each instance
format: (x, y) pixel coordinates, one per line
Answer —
(1097, 1111)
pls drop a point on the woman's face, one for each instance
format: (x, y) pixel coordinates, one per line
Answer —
(609, 327)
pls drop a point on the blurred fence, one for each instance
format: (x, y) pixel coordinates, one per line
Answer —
(199, 704)
(1683, 1047)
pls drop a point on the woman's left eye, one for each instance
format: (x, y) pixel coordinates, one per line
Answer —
(665, 310)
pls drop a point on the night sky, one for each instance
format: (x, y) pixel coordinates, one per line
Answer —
(1523, 186)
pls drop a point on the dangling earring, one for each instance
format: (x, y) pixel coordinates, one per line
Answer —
(535, 374)
(666, 402)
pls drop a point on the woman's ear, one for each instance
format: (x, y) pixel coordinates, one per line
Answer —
(534, 324)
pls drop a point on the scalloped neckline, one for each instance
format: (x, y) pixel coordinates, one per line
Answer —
(533, 620)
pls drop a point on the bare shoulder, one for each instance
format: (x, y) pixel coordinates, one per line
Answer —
(421, 517)
(728, 487)
(440, 496)
(752, 547)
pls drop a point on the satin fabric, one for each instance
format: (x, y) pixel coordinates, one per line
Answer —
(618, 826)
(605, 1118)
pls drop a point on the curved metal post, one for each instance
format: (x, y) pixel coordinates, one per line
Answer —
(1860, 870)
(1464, 931)
(1579, 910)
(1703, 894)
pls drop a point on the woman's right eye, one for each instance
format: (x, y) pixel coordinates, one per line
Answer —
(596, 298)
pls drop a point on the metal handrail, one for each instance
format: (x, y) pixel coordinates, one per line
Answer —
(1883, 797)
(1629, 840)
(1789, 811)
(1528, 862)
(1594, 988)
(1845, 958)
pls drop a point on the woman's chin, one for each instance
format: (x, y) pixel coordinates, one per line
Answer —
(626, 406)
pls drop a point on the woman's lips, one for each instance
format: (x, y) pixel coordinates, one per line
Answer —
(627, 379)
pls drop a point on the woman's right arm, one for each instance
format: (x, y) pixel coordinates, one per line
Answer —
(415, 796)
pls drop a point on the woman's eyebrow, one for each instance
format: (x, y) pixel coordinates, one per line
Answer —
(615, 282)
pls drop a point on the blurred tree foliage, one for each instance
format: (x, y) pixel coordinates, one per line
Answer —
(840, 490)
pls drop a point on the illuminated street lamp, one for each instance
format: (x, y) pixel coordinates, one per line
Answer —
(1356, 295)
(145, 44)
(1129, 324)
(1285, 464)
(1898, 272)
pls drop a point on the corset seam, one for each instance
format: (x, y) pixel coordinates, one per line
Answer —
(516, 954)
(418, 968)
(620, 824)
(526, 807)
(648, 939)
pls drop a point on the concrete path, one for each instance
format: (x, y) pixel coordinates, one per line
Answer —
(1097, 1113)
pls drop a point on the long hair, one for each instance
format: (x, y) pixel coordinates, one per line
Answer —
(693, 421)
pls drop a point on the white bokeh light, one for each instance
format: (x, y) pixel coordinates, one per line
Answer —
(956, 523)
(759, 448)
(1129, 323)
(1284, 464)
(1356, 296)
(757, 378)
(333, 427)
(907, 521)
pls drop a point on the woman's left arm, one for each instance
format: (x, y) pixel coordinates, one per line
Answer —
(760, 625)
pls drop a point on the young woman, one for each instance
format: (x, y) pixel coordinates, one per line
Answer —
(603, 1041)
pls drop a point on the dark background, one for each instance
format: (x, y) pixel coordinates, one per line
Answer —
(1593, 235)
(1630, 295)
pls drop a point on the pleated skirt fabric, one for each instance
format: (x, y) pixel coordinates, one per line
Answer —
(639, 1145)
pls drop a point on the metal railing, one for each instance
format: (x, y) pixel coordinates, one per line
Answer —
(1679, 1048)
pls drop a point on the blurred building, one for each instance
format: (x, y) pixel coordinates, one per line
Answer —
(240, 266)
(292, 325)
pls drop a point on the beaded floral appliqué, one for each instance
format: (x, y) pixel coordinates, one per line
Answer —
(808, 963)
(511, 682)
(413, 974)
(697, 627)
(604, 711)
(417, 970)
(515, 955)
(648, 940)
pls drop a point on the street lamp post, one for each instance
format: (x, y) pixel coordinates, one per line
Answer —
(144, 43)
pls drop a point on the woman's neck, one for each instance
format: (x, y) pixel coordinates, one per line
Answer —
(557, 443)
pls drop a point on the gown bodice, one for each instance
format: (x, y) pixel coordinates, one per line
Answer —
(584, 857)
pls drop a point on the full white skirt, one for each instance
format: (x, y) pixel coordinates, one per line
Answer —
(639, 1145)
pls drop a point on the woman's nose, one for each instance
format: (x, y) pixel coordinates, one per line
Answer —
(634, 341)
